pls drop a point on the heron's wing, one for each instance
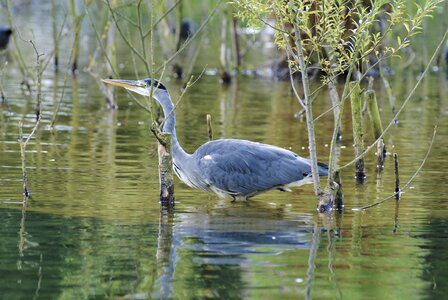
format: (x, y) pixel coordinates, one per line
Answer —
(244, 167)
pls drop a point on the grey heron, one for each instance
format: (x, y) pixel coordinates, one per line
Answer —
(228, 167)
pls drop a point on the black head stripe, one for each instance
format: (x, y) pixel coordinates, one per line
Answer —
(155, 83)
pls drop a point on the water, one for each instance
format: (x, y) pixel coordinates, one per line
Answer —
(94, 229)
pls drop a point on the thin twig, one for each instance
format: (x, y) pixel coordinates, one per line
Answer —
(55, 114)
(100, 42)
(192, 37)
(403, 105)
(24, 142)
(161, 18)
(325, 112)
(140, 30)
(17, 53)
(408, 182)
(190, 83)
(125, 39)
(290, 52)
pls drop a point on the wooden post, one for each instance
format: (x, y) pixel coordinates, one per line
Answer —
(209, 127)
(397, 177)
(358, 140)
(397, 210)
(339, 196)
(380, 155)
(165, 169)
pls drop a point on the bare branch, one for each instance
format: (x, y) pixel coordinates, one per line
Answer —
(408, 182)
(123, 36)
(439, 46)
(189, 84)
(188, 41)
(161, 18)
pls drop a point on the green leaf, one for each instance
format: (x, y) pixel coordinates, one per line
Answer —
(406, 26)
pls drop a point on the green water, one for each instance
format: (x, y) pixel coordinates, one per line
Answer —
(94, 228)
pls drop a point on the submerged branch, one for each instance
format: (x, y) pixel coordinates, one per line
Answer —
(22, 141)
(26, 193)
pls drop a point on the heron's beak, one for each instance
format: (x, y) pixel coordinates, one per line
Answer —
(135, 86)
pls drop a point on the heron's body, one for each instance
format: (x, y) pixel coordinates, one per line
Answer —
(242, 169)
(228, 167)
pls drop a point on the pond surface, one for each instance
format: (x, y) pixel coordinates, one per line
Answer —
(94, 228)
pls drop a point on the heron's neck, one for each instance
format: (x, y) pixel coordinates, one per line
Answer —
(170, 125)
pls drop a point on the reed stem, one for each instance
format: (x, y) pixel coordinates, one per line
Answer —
(358, 134)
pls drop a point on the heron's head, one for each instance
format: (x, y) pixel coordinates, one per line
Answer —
(142, 87)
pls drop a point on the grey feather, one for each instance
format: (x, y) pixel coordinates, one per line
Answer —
(244, 168)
